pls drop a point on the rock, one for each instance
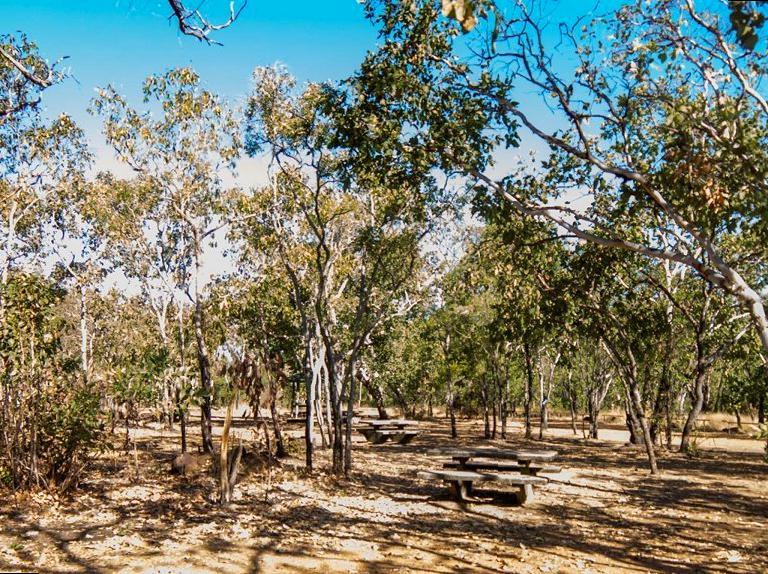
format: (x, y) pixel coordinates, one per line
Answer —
(188, 463)
(69, 535)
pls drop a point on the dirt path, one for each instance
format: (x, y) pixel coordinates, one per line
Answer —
(708, 441)
(602, 514)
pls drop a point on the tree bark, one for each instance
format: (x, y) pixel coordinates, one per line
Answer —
(205, 379)
(543, 404)
(225, 489)
(633, 425)
(528, 390)
(661, 411)
(279, 443)
(546, 380)
(377, 395)
(501, 386)
(451, 413)
(83, 333)
(494, 409)
(337, 438)
(182, 421)
(309, 422)
(573, 400)
(639, 413)
(697, 402)
(634, 400)
(486, 412)
(698, 398)
(597, 391)
(203, 360)
(350, 415)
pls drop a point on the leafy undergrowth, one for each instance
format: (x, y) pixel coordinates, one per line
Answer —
(603, 513)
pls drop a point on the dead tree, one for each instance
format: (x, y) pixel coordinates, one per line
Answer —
(193, 23)
(228, 465)
(261, 380)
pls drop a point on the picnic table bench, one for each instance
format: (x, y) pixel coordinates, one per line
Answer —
(380, 431)
(512, 467)
(392, 423)
(460, 481)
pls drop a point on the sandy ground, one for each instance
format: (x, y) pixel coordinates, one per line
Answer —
(603, 513)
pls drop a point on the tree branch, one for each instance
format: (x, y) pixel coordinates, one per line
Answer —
(193, 23)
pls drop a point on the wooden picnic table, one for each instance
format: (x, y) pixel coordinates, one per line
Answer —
(488, 464)
(524, 457)
(380, 431)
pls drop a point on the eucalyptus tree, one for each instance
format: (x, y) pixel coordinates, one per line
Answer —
(594, 373)
(143, 241)
(715, 330)
(527, 260)
(260, 330)
(626, 317)
(274, 244)
(670, 280)
(701, 325)
(181, 158)
(737, 383)
(347, 239)
(404, 361)
(84, 275)
(488, 342)
(449, 328)
(661, 116)
(127, 356)
(481, 352)
(24, 75)
(456, 327)
(41, 169)
(310, 224)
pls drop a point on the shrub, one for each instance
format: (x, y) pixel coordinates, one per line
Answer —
(69, 431)
(48, 417)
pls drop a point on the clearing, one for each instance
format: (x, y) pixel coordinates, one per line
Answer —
(603, 513)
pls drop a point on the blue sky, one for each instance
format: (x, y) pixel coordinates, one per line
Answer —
(123, 41)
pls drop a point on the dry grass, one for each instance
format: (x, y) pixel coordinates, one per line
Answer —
(603, 514)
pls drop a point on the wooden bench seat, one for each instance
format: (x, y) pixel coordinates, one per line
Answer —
(513, 466)
(379, 436)
(400, 436)
(392, 423)
(460, 481)
(539, 456)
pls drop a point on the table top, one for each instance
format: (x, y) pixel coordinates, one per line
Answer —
(508, 454)
(390, 422)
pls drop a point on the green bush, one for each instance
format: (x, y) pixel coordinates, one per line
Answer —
(6, 478)
(69, 431)
(49, 417)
